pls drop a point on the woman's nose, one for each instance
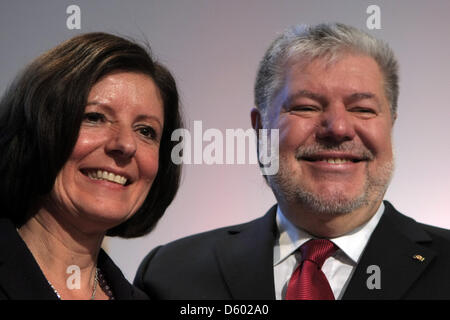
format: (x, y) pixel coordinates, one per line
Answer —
(122, 143)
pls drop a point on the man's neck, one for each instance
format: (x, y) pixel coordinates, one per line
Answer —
(329, 225)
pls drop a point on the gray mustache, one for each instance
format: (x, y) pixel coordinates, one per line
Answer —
(354, 149)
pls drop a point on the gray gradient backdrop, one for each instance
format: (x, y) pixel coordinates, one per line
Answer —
(213, 48)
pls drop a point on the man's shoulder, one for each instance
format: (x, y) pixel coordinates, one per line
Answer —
(436, 232)
(199, 249)
(190, 260)
(206, 238)
(411, 226)
(193, 264)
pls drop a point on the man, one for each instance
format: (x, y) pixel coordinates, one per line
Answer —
(331, 91)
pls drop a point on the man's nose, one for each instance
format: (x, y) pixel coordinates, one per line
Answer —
(121, 144)
(336, 125)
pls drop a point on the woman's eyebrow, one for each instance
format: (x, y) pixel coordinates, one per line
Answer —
(140, 117)
(144, 117)
(102, 104)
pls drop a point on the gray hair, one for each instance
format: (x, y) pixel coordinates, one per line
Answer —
(321, 41)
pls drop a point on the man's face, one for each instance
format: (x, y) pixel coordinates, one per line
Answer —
(335, 130)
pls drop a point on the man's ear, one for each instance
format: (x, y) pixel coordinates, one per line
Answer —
(394, 118)
(255, 116)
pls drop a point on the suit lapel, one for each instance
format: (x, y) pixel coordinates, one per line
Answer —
(395, 247)
(245, 258)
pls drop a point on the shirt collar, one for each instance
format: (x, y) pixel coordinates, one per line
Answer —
(351, 244)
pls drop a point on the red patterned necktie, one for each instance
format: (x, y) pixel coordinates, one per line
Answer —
(308, 282)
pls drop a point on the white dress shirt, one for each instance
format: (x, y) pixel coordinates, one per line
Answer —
(337, 268)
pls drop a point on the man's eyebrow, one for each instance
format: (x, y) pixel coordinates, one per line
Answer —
(361, 96)
(354, 97)
(305, 94)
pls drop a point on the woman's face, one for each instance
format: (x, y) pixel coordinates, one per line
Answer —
(115, 159)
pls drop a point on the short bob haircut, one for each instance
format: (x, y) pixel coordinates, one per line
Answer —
(41, 114)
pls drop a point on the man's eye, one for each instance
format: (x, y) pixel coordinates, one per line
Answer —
(303, 108)
(364, 111)
(94, 117)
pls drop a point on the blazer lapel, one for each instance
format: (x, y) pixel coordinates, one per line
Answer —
(399, 258)
(245, 258)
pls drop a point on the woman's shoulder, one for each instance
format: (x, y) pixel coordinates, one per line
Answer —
(9, 237)
(20, 275)
(120, 286)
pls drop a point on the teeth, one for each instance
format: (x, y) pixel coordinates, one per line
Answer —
(105, 175)
(117, 179)
(336, 160)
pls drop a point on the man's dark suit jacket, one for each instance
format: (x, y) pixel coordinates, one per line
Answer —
(237, 263)
(22, 279)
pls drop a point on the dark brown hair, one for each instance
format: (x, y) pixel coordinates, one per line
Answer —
(41, 114)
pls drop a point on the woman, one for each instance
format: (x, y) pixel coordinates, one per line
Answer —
(85, 144)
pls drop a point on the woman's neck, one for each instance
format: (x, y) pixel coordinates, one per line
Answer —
(66, 255)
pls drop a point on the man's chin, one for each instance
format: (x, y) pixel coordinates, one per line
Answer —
(331, 204)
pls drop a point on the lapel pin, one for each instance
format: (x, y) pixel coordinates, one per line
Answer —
(419, 257)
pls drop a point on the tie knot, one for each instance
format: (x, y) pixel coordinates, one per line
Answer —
(317, 250)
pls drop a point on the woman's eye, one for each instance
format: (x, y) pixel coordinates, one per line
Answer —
(94, 117)
(147, 132)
